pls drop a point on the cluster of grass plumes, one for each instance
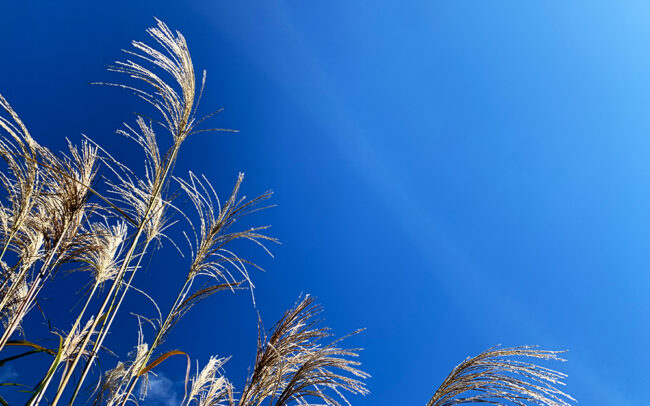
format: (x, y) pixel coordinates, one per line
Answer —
(57, 213)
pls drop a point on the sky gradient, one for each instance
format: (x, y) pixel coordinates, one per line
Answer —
(449, 175)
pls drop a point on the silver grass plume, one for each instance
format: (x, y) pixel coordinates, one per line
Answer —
(20, 153)
(108, 389)
(111, 389)
(57, 214)
(64, 198)
(209, 387)
(137, 195)
(21, 182)
(16, 128)
(494, 377)
(73, 342)
(29, 241)
(103, 250)
(28, 244)
(293, 365)
(211, 258)
(177, 110)
(13, 301)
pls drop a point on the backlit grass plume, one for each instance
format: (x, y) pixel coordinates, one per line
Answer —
(209, 387)
(295, 364)
(84, 212)
(498, 377)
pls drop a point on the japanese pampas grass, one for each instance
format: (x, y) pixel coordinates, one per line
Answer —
(56, 210)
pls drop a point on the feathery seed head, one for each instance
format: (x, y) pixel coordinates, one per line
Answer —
(75, 338)
(208, 387)
(292, 365)
(29, 241)
(109, 388)
(14, 300)
(496, 378)
(211, 258)
(103, 249)
(176, 108)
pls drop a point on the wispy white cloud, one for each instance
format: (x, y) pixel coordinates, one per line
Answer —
(7, 374)
(162, 391)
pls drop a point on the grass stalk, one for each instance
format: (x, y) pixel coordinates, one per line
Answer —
(103, 331)
(161, 330)
(159, 184)
(66, 343)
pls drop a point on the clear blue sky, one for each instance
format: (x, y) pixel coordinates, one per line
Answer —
(449, 174)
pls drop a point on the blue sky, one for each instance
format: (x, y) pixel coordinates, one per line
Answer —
(449, 175)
